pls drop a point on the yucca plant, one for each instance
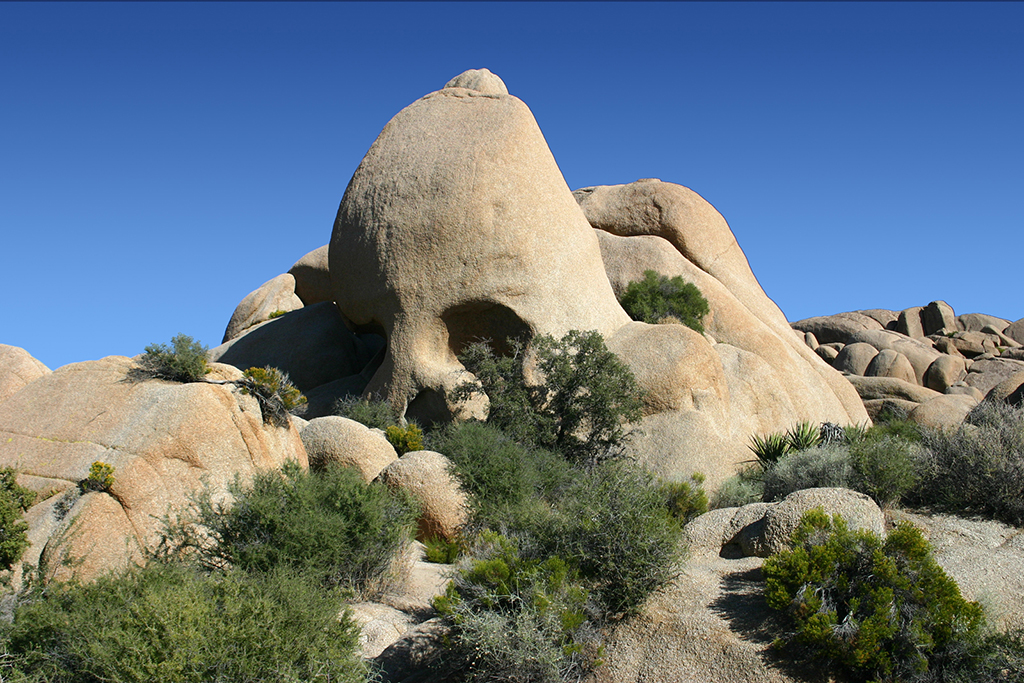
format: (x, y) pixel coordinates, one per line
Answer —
(803, 435)
(768, 449)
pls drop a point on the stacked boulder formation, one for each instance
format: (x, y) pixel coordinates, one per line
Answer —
(458, 226)
(926, 360)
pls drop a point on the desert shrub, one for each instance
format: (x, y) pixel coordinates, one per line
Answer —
(878, 609)
(587, 397)
(172, 622)
(100, 477)
(277, 314)
(443, 551)
(885, 467)
(372, 412)
(977, 469)
(824, 466)
(275, 393)
(405, 439)
(183, 361)
(657, 297)
(685, 500)
(747, 486)
(329, 523)
(14, 500)
(506, 480)
(516, 618)
(612, 524)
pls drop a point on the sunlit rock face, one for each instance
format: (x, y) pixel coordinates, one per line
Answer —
(458, 226)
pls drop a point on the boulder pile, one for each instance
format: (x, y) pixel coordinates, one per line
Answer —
(926, 360)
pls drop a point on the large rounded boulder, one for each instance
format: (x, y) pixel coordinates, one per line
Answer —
(163, 439)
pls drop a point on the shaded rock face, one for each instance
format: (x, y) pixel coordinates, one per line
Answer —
(162, 438)
(458, 226)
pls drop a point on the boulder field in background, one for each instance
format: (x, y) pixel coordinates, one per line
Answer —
(163, 439)
(458, 226)
(961, 359)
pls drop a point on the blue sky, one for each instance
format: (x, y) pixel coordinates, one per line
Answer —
(160, 161)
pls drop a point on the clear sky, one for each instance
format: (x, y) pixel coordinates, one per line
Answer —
(160, 161)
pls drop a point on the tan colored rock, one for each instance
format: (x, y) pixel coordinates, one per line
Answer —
(973, 344)
(1015, 331)
(338, 439)
(974, 322)
(276, 294)
(18, 368)
(163, 439)
(944, 372)
(944, 412)
(910, 322)
(839, 327)
(889, 363)
(781, 519)
(311, 344)
(945, 345)
(890, 387)
(965, 389)
(878, 407)
(919, 352)
(1003, 339)
(938, 315)
(886, 318)
(810, 340)
(379, 626)
(313, 277)
(456, 226)
(855, 358)
(827, 353)
(985, 374)
(1007, 390)
(426, 476)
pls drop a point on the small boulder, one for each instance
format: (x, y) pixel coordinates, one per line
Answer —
(313, 277)
(944, 372)
(965, 389)
(427, 476)
(890, 363)
(910, 322)
(890, 387)
(276, 294)
(985, 374)
(883, 316)
(837, 328)
(338, 439)
(827, 353)
(1015, 331)
(1008, 390)
(855, 358)
(943, 412)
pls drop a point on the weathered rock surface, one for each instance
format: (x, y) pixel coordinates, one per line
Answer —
(855, 358)
(18, 368)
(426, 475)
(986, 373)
(889, 363)
(944, 412)
(313, 277)
(276, 294)
(337, 439)
(311, 344)
(974, 322)
(163, 439)
(838, 328)
(1015, 331)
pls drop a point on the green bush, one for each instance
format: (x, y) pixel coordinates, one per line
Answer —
(14, 500)
(275, 393)
(331, 524)
(613, 525)
(587, 397)
(657, 297)
(877, 609)
(885, 467)
(685, 500)
(176, 624)
(743, 488)
(507, 481)
(100, 478)
(442, 551)
(405, 439)
(374, 413)
(978, 469)
(183, 361)
(824, 466)
(516, 618)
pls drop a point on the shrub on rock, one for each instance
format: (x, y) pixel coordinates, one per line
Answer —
(878, 609)
(14, 500)
(183, 361)
(657, 297)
